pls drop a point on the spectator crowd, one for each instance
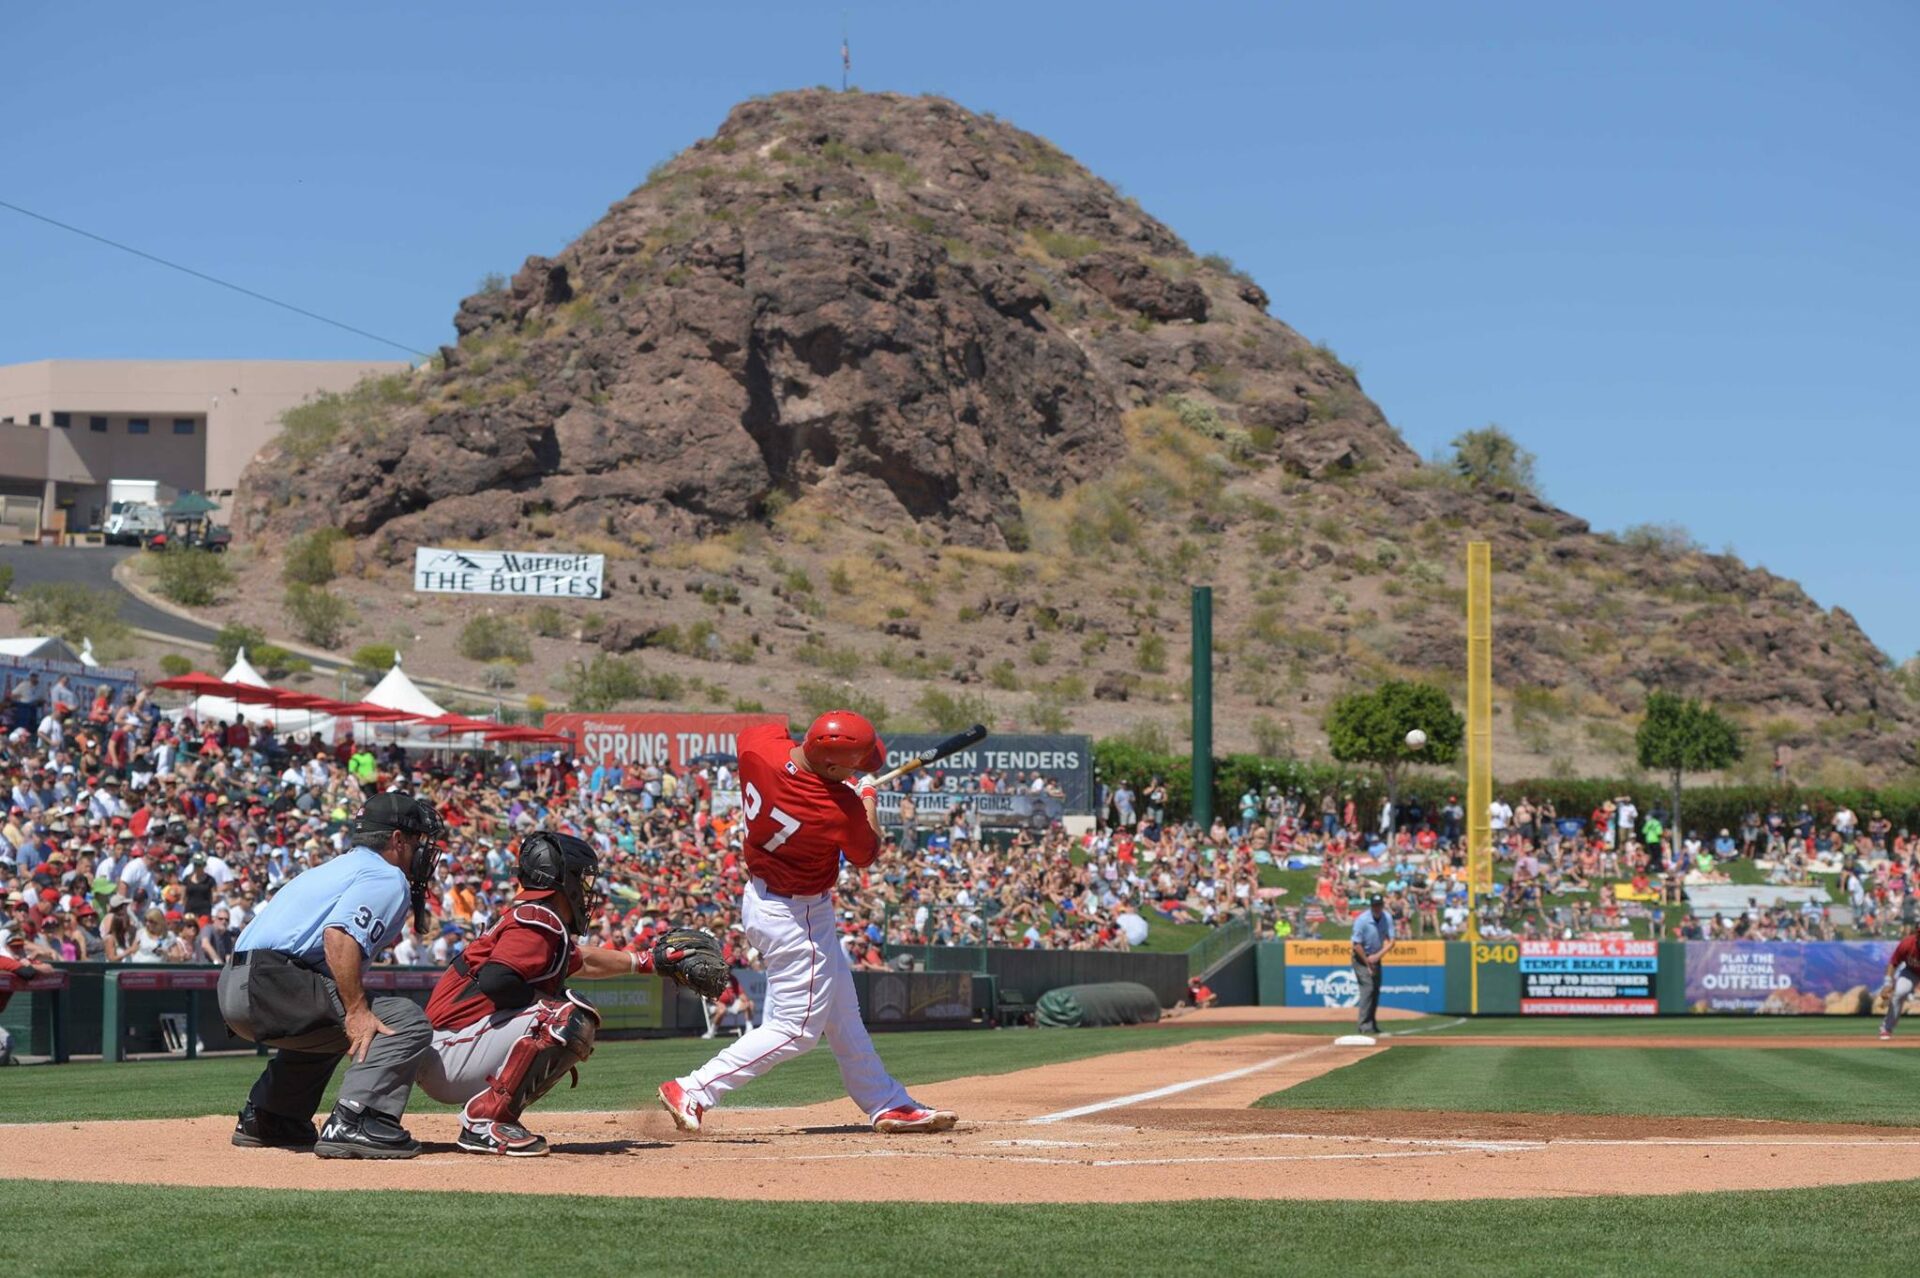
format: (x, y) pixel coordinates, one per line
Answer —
(137, 835)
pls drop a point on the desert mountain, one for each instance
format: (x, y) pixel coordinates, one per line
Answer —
(874, 388)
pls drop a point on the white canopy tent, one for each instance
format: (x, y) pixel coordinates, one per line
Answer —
(226, 710)
(397, 692)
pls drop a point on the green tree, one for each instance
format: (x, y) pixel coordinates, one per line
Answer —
(194, 578)
(1372, 726)
(173, 665)
(373, 659)
(1679, 735)
(318, 617)
(314, 559)
(234, 636)
(491, 638)
(602, 683)
(76, 614)
(1491, 458)
(951, 711)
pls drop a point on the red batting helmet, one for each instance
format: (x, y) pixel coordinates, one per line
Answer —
(844, 738)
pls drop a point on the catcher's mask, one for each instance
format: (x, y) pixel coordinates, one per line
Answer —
(553, 862)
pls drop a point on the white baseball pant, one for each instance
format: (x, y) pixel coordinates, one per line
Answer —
(460, 1061)
(6, 1046)
(1903, 985)
(810, 996)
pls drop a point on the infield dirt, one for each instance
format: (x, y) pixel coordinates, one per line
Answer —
(1159, 1123)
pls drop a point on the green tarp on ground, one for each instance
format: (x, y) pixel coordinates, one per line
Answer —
(1108, 1003)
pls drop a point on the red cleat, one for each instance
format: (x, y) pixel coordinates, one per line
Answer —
(686, 1114)
(915, 1118)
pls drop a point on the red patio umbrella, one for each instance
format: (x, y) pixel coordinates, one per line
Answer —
(201, 685)
(520, 733)
(371, 713)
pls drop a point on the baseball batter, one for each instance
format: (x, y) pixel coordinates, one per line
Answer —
(805, 809)
(1903, 974)
(505, 1027)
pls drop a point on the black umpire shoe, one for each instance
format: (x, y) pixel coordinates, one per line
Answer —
(364, 1133)
(499, 1136)
(263, 1129)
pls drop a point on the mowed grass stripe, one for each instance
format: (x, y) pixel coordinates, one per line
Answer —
(139, 1230)
(1810, 1085)
(620, 1075)
(1662, 1026)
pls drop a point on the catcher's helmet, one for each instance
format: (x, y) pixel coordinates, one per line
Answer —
(845, 739)
(551, 862)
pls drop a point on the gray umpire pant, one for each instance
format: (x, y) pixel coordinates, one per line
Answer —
(1368, 1009)
(269, 998)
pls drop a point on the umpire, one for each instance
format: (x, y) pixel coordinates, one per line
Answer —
(1372, 938)
(293, 983)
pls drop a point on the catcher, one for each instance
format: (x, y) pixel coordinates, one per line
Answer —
(506, 1028)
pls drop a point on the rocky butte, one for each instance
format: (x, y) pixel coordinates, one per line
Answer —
(877, 389)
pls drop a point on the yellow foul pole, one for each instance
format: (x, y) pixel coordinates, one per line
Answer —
(1479, 742)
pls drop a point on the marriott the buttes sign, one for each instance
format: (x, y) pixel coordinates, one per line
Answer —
(502, 572)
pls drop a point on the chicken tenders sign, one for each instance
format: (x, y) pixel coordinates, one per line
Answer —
(663, 740)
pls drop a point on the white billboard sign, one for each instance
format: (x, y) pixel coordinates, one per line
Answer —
(502, 572)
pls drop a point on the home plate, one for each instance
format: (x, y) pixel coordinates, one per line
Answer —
(1353, 1040)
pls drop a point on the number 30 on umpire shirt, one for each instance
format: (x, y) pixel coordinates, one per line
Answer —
(361, 893)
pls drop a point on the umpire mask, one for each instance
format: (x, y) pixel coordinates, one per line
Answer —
(553, 862)
(402, 813)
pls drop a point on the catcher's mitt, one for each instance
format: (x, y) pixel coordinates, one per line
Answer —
(692, 958)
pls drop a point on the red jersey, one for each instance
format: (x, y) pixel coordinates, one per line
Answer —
(530, 939)
(8, 964)
(798, 824)
(1907, 952)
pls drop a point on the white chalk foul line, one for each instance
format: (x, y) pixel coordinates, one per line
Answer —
(1173, 1089)
(1424, 1028)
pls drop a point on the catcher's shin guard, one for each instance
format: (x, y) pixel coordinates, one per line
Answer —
(559, 1037)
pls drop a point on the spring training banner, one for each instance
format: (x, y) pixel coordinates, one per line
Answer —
(1413, 975)
(1588, 978)
(1785, 978)
(663, 740)
(503, 572)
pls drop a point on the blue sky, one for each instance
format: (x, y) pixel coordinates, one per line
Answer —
(1672, 247)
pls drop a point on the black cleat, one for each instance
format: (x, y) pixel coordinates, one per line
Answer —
(364, 1133)
(263, 1129)
(501, 1137)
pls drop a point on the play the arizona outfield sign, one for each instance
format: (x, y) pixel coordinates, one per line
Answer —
(501, 572)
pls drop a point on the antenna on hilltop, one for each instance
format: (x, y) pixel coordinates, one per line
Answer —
(846, 53)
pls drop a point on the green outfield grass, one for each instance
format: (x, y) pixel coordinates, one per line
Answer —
(1867, 1028)
(620, 1075)
(123, 1229)
(1809, 1085)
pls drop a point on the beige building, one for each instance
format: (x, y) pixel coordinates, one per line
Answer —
(69, 426)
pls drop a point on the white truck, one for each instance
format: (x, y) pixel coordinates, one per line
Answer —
(136, 510)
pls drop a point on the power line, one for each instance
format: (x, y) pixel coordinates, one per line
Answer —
(211, 279)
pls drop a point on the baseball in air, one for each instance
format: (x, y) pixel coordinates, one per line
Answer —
(1416, 739)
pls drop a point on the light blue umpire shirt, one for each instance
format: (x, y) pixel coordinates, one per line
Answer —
(362, 893)
(1368, 933)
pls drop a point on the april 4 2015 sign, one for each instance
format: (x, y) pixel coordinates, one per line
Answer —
(1609, 977)
(503, 572)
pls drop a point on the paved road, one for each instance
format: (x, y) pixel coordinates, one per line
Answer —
(92, 567)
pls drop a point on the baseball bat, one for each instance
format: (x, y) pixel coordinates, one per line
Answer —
(936, 752)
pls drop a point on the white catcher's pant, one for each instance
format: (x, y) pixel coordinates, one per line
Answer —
(460, 1061)
(810, 996)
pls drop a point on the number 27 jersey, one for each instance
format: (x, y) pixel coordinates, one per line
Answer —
(798, 824)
